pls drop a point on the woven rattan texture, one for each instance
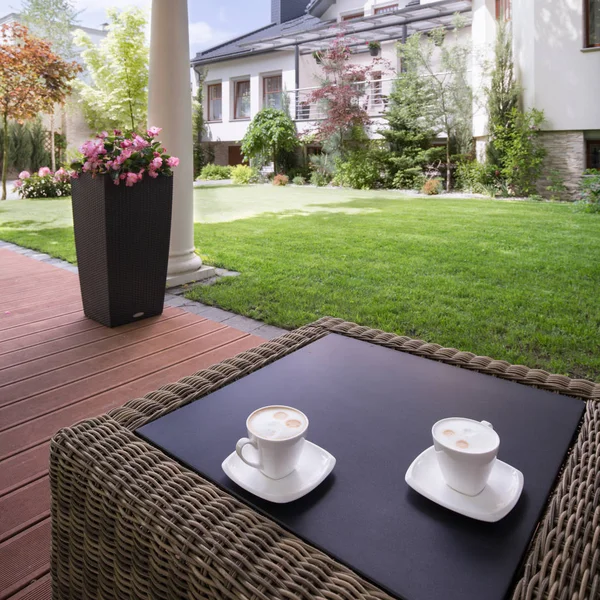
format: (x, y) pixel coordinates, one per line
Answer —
(128, 522)
(122, 240)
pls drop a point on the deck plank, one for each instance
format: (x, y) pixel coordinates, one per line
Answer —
(58, 367)
(29, 548)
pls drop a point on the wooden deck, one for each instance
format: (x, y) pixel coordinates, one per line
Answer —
(56, 368)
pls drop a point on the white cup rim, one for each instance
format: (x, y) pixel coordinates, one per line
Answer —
(460, 450)
(266, 439)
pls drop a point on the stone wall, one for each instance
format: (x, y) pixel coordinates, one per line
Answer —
(566, 154)
(221, 151)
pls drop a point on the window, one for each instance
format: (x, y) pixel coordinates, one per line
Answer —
(503, 9)
(593, 154)
(241, 107)
(272, 92)
(356, 15)
(592, 23)
(386, 9)
(214, 102)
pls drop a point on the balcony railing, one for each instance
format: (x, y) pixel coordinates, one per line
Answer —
(373, 98)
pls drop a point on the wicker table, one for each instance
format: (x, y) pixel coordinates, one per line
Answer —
(129, 522)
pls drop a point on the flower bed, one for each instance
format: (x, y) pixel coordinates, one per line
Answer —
(44, 184)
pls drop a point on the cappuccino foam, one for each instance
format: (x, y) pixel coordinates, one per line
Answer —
(467, 436)
(277, 423)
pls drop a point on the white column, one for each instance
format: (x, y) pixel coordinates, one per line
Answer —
(170, 107)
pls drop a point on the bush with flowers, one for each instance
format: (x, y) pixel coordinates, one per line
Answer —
(125, 158)
(44, 184)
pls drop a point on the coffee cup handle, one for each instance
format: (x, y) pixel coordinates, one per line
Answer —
(239, 447)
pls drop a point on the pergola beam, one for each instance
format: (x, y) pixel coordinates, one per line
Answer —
(428, 14)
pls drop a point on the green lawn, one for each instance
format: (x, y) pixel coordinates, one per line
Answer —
(512, 280)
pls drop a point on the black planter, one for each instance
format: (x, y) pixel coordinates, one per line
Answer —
(122, 237)
(374, 51)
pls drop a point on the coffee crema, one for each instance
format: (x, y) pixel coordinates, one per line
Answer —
(277, 423)
(466, 436)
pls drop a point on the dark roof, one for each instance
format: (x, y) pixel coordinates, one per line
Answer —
(235, 48)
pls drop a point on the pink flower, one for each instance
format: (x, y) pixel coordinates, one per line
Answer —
(74, 174)
(126, 143)
(131, 179)
(154, 131)
(118, 132)
(173, 161)
(139, 142)
(61, 175)
(102, 135)
(153, 173)
(44, 171)
(156, 163)
(24, 175)
(18, 183)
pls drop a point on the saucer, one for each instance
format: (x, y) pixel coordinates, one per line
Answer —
(497, 499)
(313, 467)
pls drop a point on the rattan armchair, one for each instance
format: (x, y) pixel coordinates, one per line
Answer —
(129, 522)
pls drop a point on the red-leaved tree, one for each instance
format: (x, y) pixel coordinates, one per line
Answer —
(32, 80)
(342, 90)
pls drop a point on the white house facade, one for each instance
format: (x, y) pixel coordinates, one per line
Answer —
(556, 49)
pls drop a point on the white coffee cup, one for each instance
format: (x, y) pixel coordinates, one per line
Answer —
(466, 451)
(277, 435)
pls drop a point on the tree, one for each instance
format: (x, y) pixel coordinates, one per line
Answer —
(411, 125)
(444, 70)
(504, 92)
(118, 95)
(53, 21)
(32, 80)
(271, 131)
(343, 85)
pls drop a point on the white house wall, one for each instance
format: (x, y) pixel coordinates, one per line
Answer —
(559, 76)
(254, 68)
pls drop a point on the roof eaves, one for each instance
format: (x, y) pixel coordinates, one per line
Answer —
(231, 41)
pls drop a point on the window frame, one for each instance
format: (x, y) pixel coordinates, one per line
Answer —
(264, 89)
(504, 8)
(236, 85)
(587, 7)
(209, 86)
(352, 15)
(385, 10)
(588, 152)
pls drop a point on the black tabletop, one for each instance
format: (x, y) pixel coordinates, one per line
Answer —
(373, 409)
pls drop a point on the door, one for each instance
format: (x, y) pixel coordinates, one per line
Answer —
(235, 156)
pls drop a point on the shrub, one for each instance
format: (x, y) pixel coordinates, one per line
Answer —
(299, 180)
(432, 187)
(243, 175)
(319, 179)
(281, 180)
(215, 172)
(589, 192)
(557, 185)
(44, 184)
(518, 144)
(362, 169)
(409, 179)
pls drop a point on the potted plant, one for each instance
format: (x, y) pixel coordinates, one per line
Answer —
(122, 192)
(374, 48)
